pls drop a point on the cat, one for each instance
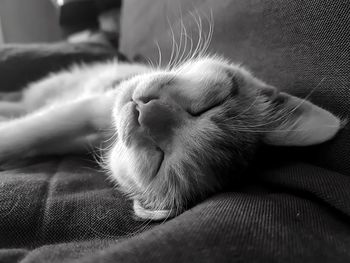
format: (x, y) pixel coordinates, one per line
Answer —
(175, 135)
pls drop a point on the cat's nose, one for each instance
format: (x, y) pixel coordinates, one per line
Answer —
(157, 117)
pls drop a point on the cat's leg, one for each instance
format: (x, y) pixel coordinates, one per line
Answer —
(11, 96)
(56, 125)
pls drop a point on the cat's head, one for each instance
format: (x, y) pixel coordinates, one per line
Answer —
(183, 133)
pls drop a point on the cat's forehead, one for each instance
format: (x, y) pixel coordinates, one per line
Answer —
(209, 67)
(209, 70)
(199, 80)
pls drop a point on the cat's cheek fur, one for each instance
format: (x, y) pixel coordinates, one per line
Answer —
(132, 167)
(132, 170)
(119, 164)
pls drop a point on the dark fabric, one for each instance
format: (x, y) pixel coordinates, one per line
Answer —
(296, 204)
(20, 64)
(61, 200)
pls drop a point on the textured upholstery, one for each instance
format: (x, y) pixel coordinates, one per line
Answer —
(296, 204)
(298, 46)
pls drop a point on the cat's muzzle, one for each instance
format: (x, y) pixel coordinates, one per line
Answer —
(157, 118)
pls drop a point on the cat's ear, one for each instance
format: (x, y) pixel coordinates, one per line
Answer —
(155, 215)
(298, 122)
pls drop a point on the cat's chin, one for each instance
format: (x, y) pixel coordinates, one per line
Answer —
(134, 167)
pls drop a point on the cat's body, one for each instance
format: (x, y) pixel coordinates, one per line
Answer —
(79, 82)
(76, 85)
(177, 134)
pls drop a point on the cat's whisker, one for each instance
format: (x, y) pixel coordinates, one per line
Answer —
(143, 226)
(159, 54)
(150, 62)
(176, 55)
(172, 208)
(109, 132)
(209, 36)
(177, 58)
(202, 33)
(111, 138)
(175, 48)
(188, 55)
(211, 26)
(168, 67)
(203, 40)
(183, 33)
(199, 27)
(176, 52)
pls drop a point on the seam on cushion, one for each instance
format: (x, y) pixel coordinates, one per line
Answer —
(41, 224)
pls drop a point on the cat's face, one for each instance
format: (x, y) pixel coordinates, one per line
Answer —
(183, 133)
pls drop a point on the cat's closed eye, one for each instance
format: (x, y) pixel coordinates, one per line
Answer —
(212, 101)
(205, 109)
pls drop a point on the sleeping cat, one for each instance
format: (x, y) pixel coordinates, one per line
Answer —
(174, 136)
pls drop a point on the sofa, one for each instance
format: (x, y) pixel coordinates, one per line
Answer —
(294, 204)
